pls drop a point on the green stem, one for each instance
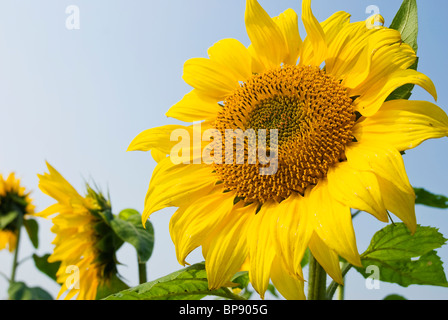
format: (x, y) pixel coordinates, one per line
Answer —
(15, 261)
(334, 285)
(317, 280)
(142, 277)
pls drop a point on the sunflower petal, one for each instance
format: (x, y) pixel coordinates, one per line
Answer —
(225, 249)
(172, 185)
(210, 78)
(267, 39)
(327, 258)
(191, 225)
(332, 222)
(404, 124)
(316, 36)
(387, 163)
(234, 55)
(292, 233)
(290, 287)
(262, 249)
(370, 101)
(358, 189)
(194, 107)
(288, 24)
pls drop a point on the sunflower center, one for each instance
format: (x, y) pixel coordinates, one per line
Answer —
(310, 114)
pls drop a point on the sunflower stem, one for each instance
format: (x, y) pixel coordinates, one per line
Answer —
(15, 261)
(317, 280)
(142, 276)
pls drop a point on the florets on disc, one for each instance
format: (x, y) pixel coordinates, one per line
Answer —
(314, 117)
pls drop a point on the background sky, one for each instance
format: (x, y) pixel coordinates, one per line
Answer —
(76, 98)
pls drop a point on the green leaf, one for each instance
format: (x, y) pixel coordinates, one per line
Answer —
(395, 242)
(46, 267)
(405, 259)
(429, 199)
(6, 219)
(128, 227)
(394, 297)
(20, 291)
(32, 228)
(427, 270)
(406, 22)
(186, 284)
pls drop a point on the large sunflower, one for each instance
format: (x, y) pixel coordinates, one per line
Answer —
(84, 246)
(14, 201)
(338, 146)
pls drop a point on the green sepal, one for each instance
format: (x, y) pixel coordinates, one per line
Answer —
(6, 219)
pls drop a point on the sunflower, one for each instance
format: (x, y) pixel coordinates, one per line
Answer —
(83, 243)
(336, 139)
(14, 201)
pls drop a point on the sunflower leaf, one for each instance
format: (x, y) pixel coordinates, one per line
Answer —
(402, 258)
(48, 268)
(32, 228)
(406, 21)
(128, 227)
(429, 199)
(20, 291)
(186, 284)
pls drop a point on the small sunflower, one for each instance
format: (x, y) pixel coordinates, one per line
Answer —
(83, 244)
(338, 146)
(14, 200)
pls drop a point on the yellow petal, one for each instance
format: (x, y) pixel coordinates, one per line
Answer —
(262, 249)
(234, 55)
(267, 39)
(289, 26)
(332, 222)
(156, 138)
(292, 233)
(360, 68)
(327, 258)
(387, 163)
(356, 188)
(290, 287)
(371, 100)
(194, 107)
(210, 78)
(225, 249)
(54, 185)
(333, 25)
(190, 225)
(316, 36)
(385, 61)
(382, 159)
(399, 202)
(172, 185)
(404, 124)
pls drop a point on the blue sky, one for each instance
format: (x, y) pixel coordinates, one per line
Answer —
(76, 98)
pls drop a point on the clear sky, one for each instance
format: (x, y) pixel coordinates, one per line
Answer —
(76, 98)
